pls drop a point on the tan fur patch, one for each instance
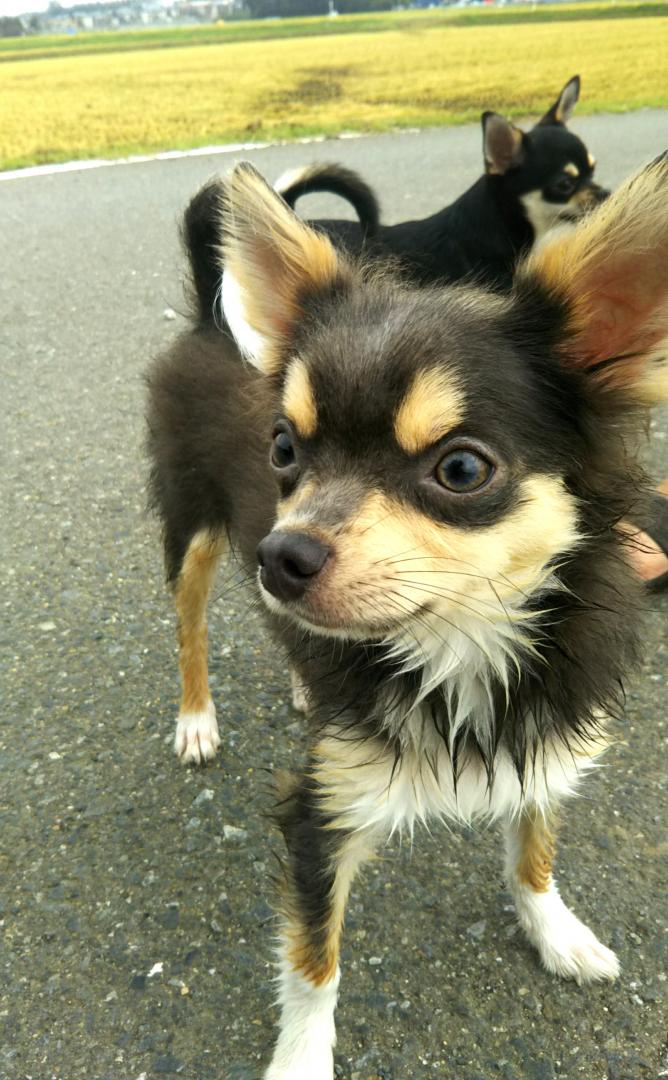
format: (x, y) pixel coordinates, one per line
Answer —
(298, 400)
(191, 595)
(433, 406)
(273, 257)
(316, 964)
(584, 199)
(571, 169)
(537, 848)
(390, 560)
(346, 770)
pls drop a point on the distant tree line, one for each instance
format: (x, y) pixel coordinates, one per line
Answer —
(11, 27)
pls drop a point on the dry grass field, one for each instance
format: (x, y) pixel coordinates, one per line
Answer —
(418, 69)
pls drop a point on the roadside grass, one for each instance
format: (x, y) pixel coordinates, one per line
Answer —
(416, 69)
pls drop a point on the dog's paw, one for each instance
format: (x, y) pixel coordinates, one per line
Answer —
(197, 738)
(566, 946)
(576, 953)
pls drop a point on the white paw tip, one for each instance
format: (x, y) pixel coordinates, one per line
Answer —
(583, 958)
(197, 738)
(596, 963)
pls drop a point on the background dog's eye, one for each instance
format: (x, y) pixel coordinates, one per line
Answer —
(462, 470)
(565, 185)
(282, 451)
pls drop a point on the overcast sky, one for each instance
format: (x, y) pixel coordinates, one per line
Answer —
(17, 7)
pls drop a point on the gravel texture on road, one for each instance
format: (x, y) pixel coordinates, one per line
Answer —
(135, 895)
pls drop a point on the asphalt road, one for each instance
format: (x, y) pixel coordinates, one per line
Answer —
(137, 931)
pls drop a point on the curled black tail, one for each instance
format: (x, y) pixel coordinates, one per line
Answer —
(339, 181)
(201, 234)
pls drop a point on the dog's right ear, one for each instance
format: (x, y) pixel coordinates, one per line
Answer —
(502, 143)
(271, 262)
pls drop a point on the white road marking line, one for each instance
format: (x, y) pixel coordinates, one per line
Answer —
(164, 155)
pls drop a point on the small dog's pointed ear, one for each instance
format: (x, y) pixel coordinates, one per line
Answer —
(610, 273)
(562, 110)
(271, 263)
(502, 142)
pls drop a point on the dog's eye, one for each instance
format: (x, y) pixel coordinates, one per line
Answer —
(282, 451)
(463, 470)
(565, 185)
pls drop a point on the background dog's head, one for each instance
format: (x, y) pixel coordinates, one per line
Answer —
(440, 452)
(548, 169)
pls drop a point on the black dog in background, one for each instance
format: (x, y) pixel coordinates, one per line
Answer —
(532, 181)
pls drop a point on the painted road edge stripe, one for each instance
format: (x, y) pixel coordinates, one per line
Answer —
(164, 155)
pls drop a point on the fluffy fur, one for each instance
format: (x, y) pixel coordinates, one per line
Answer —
(450, 584)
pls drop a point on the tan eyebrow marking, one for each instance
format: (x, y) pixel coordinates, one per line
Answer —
(572, 169)
(592, 160)
(298, 400)
(433, 405)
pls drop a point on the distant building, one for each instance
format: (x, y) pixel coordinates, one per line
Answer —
(109, 15)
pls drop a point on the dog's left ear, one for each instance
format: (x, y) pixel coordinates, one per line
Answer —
(562, 110)
(502, 144)
(609, 275)
(272, 263)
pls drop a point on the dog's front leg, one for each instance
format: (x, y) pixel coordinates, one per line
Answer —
(197, 736)
(566, 946)
(324, 854)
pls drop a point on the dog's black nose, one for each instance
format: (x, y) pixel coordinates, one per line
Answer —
(289, 561)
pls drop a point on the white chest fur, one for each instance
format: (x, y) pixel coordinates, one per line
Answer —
(373, 792)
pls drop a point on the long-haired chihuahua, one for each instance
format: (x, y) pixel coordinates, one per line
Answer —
(425, 484)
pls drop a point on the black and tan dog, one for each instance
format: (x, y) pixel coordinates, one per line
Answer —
(425, 484)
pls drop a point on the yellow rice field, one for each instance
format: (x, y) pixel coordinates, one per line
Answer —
(115, 103)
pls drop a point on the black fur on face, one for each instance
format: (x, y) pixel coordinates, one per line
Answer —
(551, 156)
(360, 354)
(530, 413)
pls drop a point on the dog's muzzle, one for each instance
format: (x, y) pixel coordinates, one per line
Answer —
(598, 194)
(289, 562)
(590, 195)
